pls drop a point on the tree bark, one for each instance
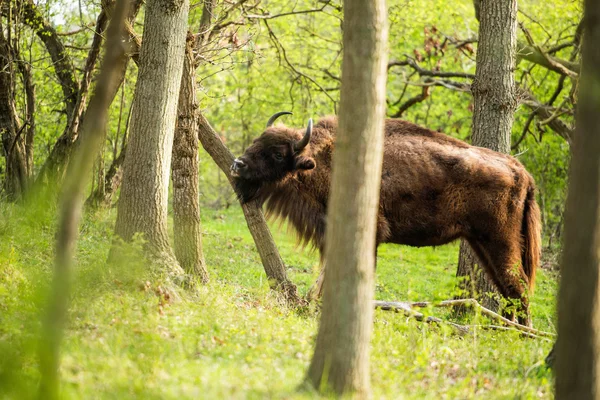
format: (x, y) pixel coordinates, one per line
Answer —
(70, 212)
(142, 205)
(494, 94)
(343, 343)
(11, 133)
(269, 255)
(184, 173)
(578, 345)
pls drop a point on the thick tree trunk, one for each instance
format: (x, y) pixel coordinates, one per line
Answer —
(269, 255)
(144, 194)
(578, 345)
(186, 208)
(11, 133)
(494, 94)
(343, 343)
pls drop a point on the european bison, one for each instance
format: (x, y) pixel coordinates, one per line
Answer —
(434, 190)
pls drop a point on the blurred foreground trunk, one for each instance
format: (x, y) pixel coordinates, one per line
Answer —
(341, 358)
(578, 346)
(79, 170)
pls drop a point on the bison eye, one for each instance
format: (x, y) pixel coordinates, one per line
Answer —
(278, 156)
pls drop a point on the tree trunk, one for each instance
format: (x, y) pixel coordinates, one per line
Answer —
(144, 194)
(112, 182)
(269, 255)
(114, 175)
(494, 95)
(186, 209)
(578, 345)
(54, 167)
(56, 163)
(343, 343)
(11, 134)
(70, 211)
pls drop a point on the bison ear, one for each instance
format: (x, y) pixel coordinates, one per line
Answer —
(305, 163)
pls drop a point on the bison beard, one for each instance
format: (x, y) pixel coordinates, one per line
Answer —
(434, 190)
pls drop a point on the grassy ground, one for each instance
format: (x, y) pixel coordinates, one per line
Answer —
(232, 338)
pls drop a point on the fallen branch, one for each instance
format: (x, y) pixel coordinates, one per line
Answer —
(408, 309)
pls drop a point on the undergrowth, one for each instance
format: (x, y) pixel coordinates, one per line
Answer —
(130, 337)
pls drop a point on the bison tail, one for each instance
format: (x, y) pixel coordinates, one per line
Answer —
(532, 236)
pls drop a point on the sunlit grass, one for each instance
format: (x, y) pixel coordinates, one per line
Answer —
(233, 338)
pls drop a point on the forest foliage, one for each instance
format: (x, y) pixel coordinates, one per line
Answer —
(271, 56)
(260, 57)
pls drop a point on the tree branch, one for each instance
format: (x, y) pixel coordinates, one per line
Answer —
(425, 72)
(535, 54)
(408, 308)
(63, 66)
(292, 67)
(412, 101)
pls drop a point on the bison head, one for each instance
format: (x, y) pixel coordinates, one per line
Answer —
(274, 155)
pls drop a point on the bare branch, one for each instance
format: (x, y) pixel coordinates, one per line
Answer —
(525, 131)
(285, 14)
(412, 101)
(61, 60)
(408, 308)
(292, 67)
(537, 55)
(545, 112)
(425, 72)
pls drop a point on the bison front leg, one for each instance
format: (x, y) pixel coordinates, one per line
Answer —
(316, 290)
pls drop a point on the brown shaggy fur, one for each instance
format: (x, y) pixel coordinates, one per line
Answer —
(434, 190)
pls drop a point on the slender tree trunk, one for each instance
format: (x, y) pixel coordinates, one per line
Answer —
(578, 345)
(341, 358)
(114, 175)
(142, 205)
(29, 131)
(112, 182)
(494, 94)
(70, 211)
(186, 208)
(269, 255)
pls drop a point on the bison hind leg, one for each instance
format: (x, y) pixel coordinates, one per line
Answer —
(503, 258)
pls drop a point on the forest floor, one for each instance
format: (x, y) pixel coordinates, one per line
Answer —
(233, 339)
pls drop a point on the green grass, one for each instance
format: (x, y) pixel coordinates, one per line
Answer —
(233, 338)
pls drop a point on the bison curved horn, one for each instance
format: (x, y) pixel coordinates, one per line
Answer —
(275, 116)
(301, 144)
